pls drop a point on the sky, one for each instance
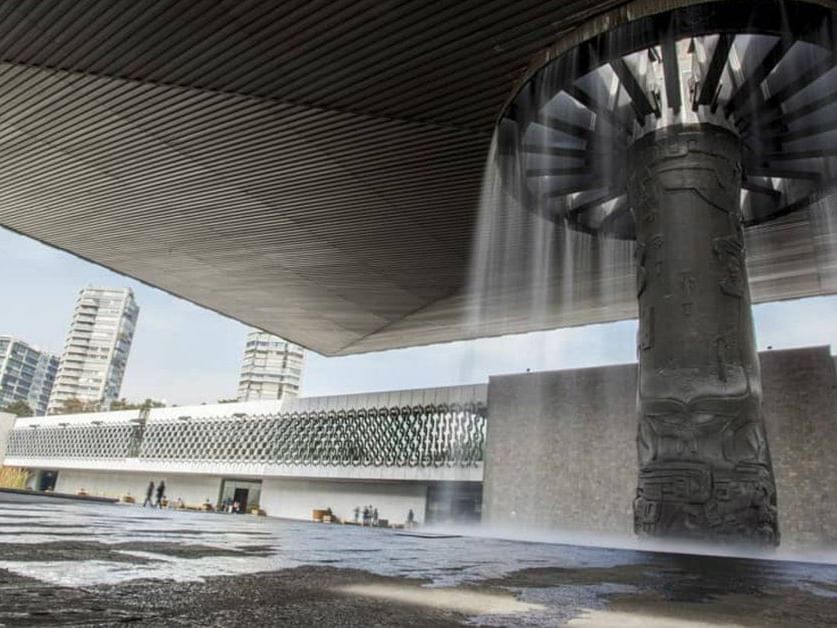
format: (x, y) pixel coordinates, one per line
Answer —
(184, 354)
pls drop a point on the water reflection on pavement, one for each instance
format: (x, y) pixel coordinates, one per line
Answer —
(79, 545)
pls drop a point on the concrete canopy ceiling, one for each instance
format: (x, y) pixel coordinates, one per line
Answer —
(310, 168)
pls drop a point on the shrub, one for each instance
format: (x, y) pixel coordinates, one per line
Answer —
(11, 477)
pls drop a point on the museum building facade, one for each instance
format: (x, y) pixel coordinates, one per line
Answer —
(546, 450)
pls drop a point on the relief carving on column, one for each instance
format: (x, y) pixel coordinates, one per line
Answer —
(730, 253)
(705, 470)
(640, 253)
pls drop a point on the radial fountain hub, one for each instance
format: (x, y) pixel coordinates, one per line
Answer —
(764, 70)
(680, 130)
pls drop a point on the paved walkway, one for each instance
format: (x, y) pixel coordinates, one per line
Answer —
(65, 562)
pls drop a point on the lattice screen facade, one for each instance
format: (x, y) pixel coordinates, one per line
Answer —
(433, 435)
(420, 436)
(106, 441)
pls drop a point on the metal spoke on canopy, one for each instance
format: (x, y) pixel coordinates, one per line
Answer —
(766, 76)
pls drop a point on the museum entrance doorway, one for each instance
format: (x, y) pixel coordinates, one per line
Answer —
(240, 496)
(454, 502)
(46, 480)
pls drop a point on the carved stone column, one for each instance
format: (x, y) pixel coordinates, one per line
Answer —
(705, 469)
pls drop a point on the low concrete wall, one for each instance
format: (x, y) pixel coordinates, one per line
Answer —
(53, 495)
(296, 499)
(194, 490)
(561, 447)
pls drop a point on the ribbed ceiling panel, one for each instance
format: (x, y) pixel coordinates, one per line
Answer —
(311, 168)
(446, 63)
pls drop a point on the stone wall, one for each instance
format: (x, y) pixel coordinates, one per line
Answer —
(561, 447)
(800, 410)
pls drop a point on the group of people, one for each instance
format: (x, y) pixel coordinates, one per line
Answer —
(231, 505)
(160, 494)
(370, 515)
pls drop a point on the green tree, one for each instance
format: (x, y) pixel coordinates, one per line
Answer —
(124, 404)
(77, 406)
(18, 408)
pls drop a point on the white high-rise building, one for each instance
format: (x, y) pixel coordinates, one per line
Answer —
(26, 374)
(97, 348)
(271, 369)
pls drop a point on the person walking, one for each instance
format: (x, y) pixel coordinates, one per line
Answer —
(374, 517)
(357, 513)
(148, 495)
(161, 493)
(366, 515)
(411, 518)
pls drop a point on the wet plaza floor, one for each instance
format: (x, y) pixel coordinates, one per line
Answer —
(65, 562)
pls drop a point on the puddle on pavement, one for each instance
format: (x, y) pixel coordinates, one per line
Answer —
(492, 580)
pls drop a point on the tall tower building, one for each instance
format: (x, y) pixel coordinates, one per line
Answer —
(97, 347)
(271, 369)
(26, 374)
